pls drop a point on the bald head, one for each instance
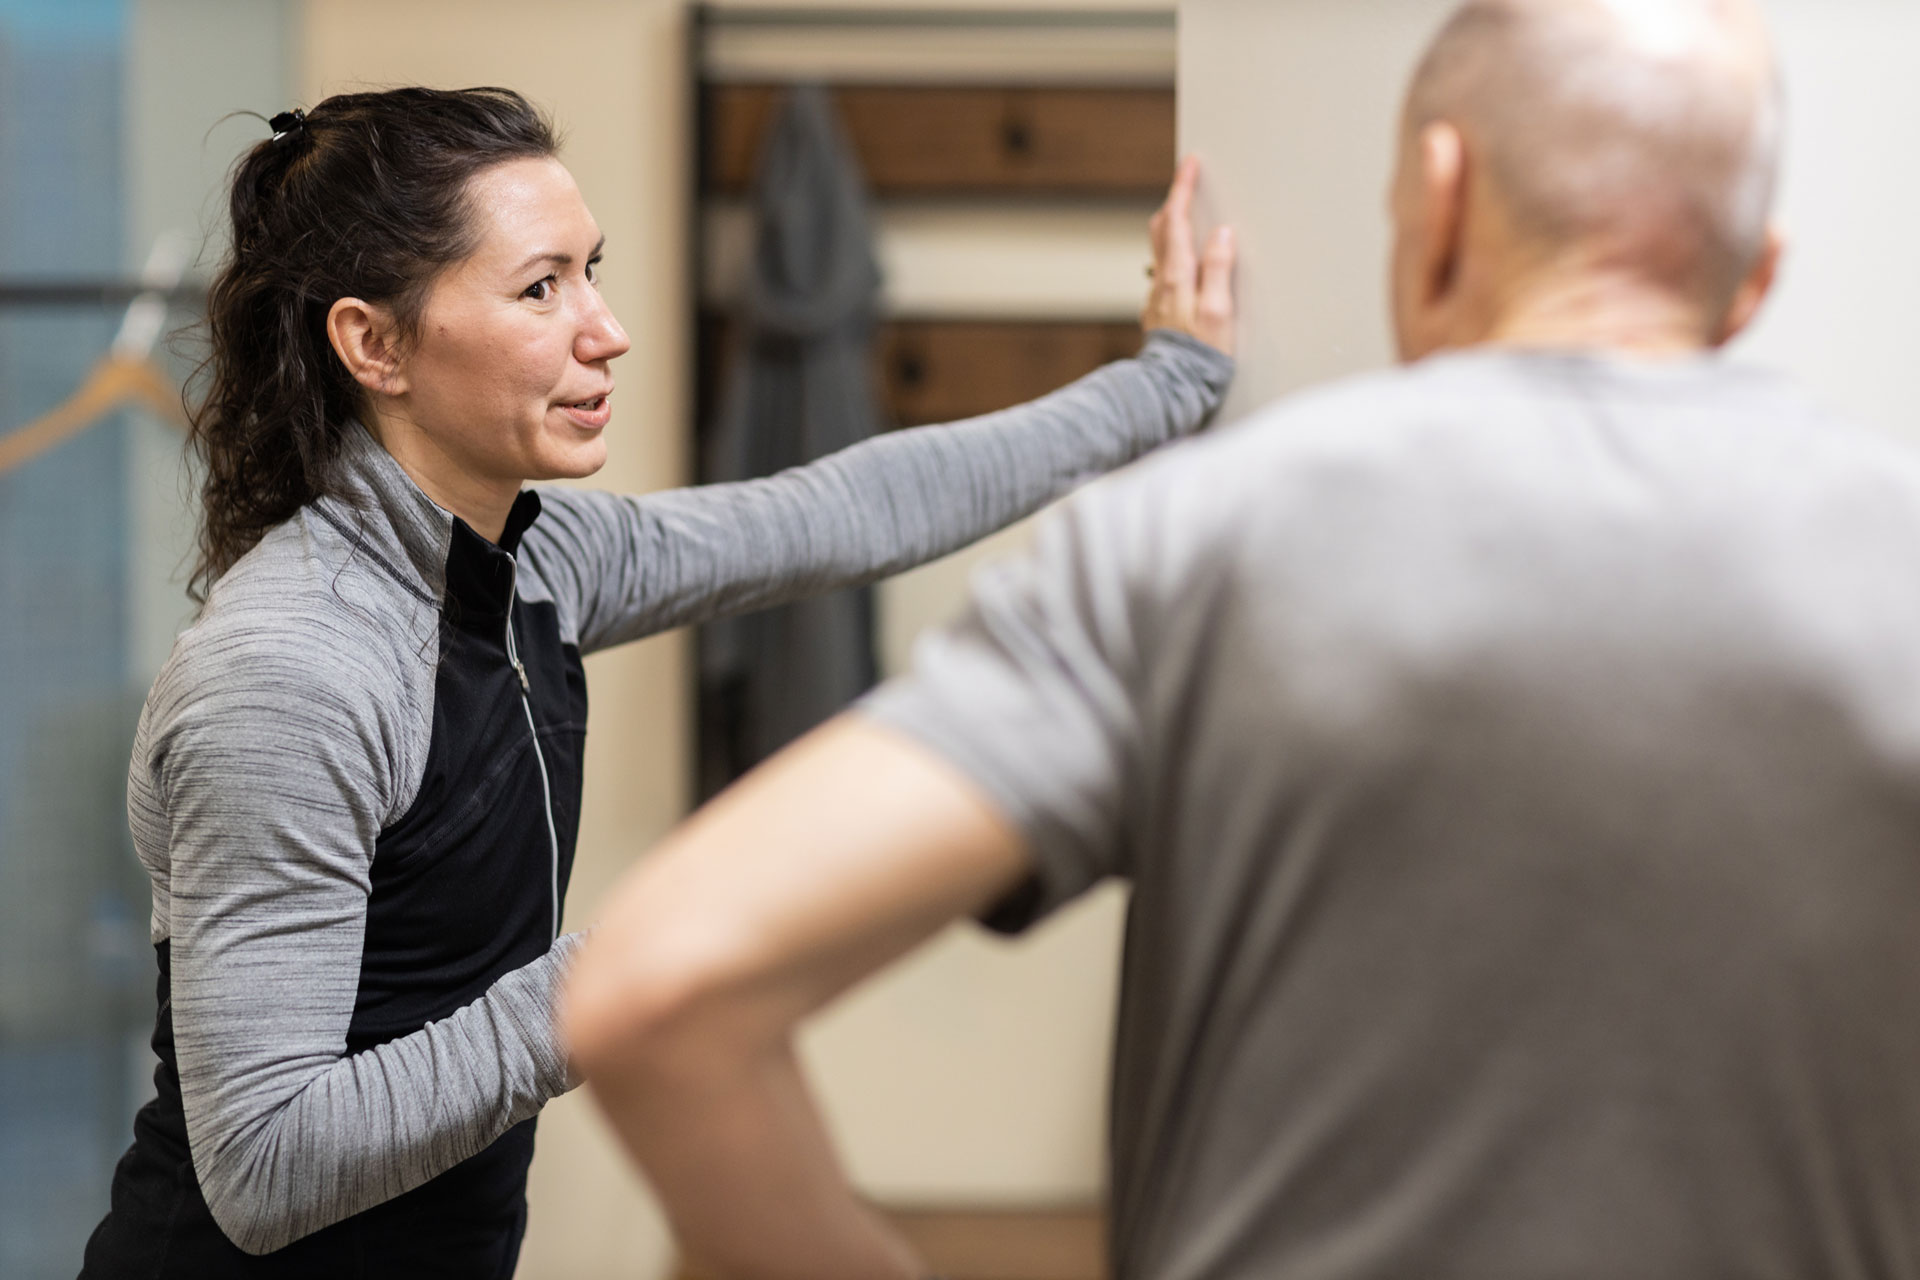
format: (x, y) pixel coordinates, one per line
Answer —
(1642, 135)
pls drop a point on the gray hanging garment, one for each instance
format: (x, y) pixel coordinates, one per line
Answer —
(800, 386)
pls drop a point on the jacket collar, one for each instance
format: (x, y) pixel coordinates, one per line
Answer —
(415, 538)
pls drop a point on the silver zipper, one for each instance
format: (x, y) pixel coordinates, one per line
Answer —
(526, 704)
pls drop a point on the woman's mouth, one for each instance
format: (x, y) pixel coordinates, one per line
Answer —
(592, 413)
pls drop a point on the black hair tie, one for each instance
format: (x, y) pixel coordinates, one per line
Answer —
(287, 123)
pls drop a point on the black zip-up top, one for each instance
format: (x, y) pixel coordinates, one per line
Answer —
(356, 789)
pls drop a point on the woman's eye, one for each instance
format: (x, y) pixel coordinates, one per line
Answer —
(540, 290)
(593, 272)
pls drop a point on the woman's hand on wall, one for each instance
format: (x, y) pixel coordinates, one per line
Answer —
(1191, 293)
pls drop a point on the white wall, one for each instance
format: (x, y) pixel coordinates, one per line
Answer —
(1293, 106)
(1843, 317)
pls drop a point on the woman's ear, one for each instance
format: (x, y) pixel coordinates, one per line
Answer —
(367, 340)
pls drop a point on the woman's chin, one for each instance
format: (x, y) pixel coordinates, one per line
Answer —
(574, 461)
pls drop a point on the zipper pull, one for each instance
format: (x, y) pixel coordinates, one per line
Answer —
(519, 669)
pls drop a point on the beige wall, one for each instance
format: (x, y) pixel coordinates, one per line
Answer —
(1291, 108)
(610, 72)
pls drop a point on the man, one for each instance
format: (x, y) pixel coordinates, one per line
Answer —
(1515, 758)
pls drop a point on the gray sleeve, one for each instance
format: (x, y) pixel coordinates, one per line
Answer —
(1035, 695)
(275, 773)
(630, 567)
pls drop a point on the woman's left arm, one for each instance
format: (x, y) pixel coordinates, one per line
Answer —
(636, 566)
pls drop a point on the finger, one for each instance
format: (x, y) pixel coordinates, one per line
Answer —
(1186, 176)
(1186, 180)
(1178, 204)
(1177, 264)
(1216, 268)
(1215, 306)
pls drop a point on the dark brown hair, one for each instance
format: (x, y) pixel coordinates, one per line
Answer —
(365, 196)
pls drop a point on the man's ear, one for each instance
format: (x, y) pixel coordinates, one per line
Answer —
(1753, 291)
(365, 337)
(1443, 207)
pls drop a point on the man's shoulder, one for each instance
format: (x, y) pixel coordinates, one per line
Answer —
(1499, 412)
(1504, 440)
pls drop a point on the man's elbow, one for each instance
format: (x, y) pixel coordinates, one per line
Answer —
(643, 1004)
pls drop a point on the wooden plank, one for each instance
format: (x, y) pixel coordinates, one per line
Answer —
(943, 370)
(998, 1244)
(1008, 1245)
(929, 371)
(943, 141)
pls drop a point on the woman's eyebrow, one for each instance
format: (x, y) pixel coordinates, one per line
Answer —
(559, 259)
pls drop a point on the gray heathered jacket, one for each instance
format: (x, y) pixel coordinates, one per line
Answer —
(356, 782)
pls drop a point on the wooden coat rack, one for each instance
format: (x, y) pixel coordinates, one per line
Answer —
(1090, 143)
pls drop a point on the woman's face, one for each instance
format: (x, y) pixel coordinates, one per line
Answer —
(509, 374)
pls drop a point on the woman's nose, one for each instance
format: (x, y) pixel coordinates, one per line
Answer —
(600, 337)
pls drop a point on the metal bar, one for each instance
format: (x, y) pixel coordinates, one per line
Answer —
(91, 293)
(712, 15)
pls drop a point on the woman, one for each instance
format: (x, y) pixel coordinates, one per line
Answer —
(356, 783)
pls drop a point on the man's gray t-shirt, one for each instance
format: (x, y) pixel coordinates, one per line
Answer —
(1516, 760)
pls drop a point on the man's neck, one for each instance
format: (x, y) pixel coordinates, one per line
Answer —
(483, 503)
(1595, 311)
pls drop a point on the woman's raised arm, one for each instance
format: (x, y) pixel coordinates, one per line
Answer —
(635, 566)
(644, 565)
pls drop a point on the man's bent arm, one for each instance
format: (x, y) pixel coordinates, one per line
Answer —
(840, 855)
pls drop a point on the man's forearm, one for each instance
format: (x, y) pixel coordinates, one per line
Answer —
(737, 1152)
(844, 853)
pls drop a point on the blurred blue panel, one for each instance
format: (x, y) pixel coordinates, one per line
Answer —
(56, 22)
(71, 899)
